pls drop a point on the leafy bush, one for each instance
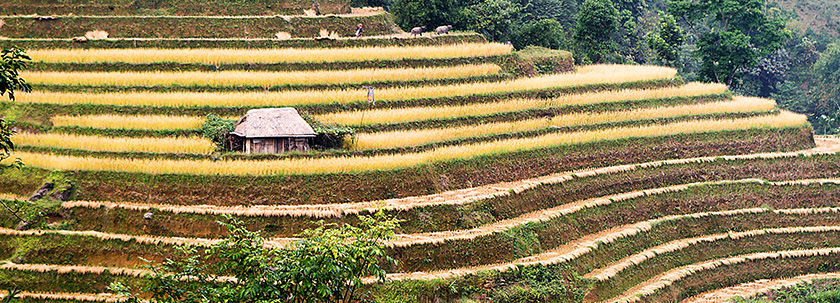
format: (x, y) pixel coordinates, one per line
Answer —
(326, 265)
(547, 33)
(217, 129)
(329, 135)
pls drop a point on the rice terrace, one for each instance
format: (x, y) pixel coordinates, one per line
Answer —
(418, 151)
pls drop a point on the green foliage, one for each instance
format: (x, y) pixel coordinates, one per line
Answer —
(12, 61)
(429, 13)
(827, 72)
(493, 18)
(326, 265)
(597, 22)
(546, 33)
(540, 283)
(666, 43)
(217, 130)
(11, 294)
(329, 135)
(816, 291)
(739, 33)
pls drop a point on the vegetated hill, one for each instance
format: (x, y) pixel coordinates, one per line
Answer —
(519, 176)
(820, 15)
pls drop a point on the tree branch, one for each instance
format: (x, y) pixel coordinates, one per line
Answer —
(14, 213)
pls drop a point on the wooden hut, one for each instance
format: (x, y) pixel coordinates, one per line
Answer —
(273, 131)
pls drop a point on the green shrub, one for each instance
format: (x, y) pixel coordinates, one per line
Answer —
(217, 129)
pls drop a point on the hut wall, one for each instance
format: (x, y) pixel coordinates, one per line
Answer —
(276, 145)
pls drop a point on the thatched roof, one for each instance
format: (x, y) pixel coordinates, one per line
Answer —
(271, 123)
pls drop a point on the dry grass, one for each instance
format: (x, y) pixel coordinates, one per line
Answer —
(285, 55)
(150, 122)
(661, 281)
(596, 74)
(423, 136)
(257, 78)
(749, 289)
(193, 145)
(389, 162)
(614, 268)
(378, 116)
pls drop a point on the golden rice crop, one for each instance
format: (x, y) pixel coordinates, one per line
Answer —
(150, 122)
(257, 78)
(280, 55)
(440, 112)
(193, 145)
(596, 74)
(388, 162)
(422, 136)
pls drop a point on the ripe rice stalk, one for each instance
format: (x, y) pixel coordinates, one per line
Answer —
(423, 136)
(283, 55)
(384, 116)
(257, 78)
(150, 122)
(193, 145)
(596, 74)
(388, 162)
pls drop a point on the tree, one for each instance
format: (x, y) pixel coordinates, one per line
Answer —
(428, 13)
(493, 18)
(827, 72)
(666, 43)
(739, 33)
(547, 33)
(326, 265)
(12, 61)
(597, 22)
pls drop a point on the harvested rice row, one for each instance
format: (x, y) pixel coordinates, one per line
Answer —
(611, 270)
(407, 138)
(286, 55)
(346, 164)
(590, 243)
(384, 116)
(174, 145)
(63, 269)
(595, 74)
(107, 298)
(161, 122)
(749, 289)
(452, 197)
(651, 286)
(257, 78)
(560, 254)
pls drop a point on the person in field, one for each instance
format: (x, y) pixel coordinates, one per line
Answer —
(359, 30)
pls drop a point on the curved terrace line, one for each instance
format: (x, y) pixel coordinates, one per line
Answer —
(282, 55)
(561, 254)
(373, 141)
(825, 145)
(749, 289)
(107, 298)
(588, 75)
(613, 269)
(651, 286)
(397, 161)
(257, 78)
(591, 242)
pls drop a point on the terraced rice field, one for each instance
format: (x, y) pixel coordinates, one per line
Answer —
(622, 180)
